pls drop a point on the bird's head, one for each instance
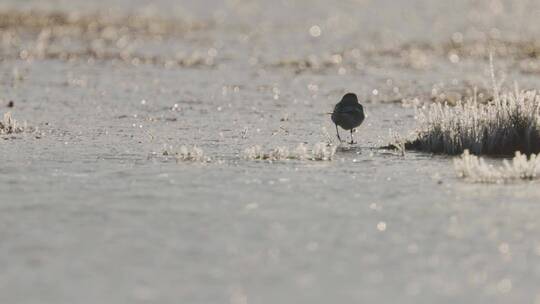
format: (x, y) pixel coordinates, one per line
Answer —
(349, 99)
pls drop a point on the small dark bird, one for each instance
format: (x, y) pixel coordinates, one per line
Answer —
(348, 114)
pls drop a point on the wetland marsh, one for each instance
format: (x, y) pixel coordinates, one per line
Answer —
(171, 153)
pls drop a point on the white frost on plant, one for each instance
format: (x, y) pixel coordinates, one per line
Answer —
(188, 154)
(511, 122)
(319, 152)
(9, 125)
(475, 169)
(322, 151)
(254, 152)
(301, 151)
(279, 153)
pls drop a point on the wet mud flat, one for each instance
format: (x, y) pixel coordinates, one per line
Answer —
(93, 210)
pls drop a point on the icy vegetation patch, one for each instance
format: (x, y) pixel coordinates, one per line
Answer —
(509, 123)
(104, 23)
(10, 126)
(475, 169)
(188, 154)
(39, 35)
(319, 152)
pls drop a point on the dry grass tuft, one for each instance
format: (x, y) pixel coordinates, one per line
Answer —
(319, 152)
(10, 126)
(509, 123)
(188, 154)
(475, 169)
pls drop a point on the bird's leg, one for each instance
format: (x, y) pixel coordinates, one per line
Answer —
(337, 131)
(352, 138)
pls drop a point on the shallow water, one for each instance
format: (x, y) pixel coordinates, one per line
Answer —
(92, 212)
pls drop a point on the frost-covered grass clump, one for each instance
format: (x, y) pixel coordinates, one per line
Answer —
(509, 123)
(319, 152)
(475, 169)
(9, 125)
(188, 154)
